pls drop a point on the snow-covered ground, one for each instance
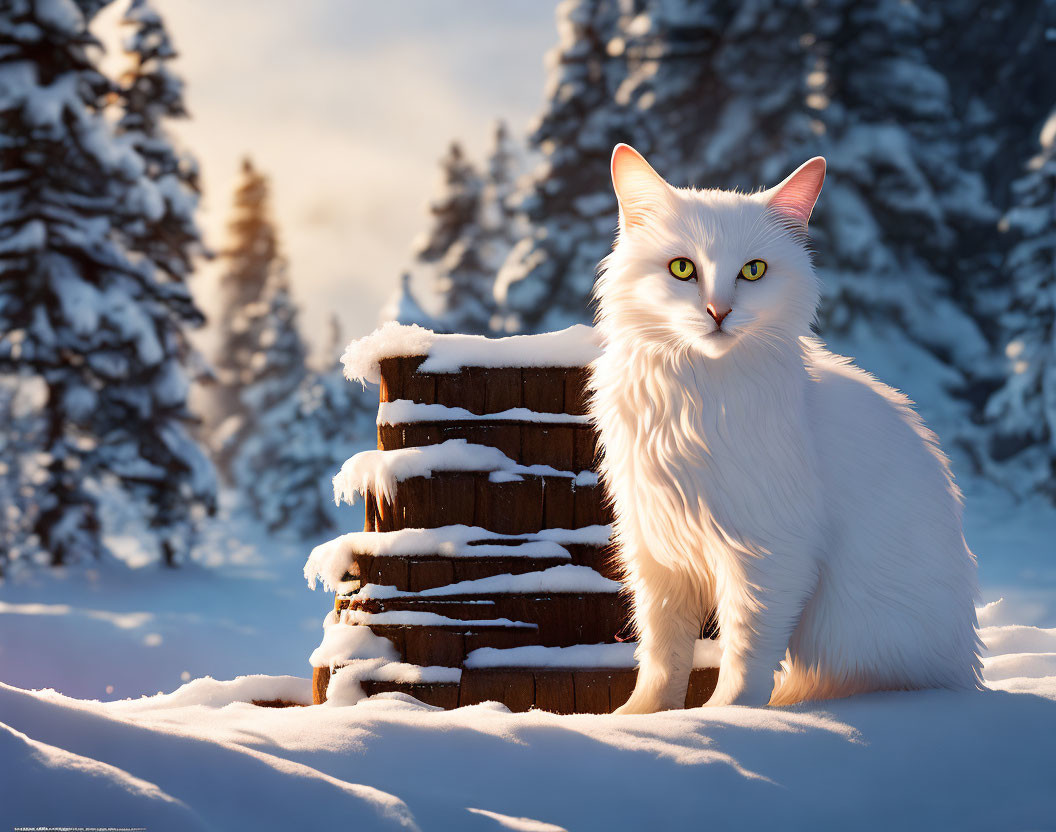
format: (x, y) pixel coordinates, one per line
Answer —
(204, 758)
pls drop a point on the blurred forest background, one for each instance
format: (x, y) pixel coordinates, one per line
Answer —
(127, 412)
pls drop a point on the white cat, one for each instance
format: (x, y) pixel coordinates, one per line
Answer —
(757, 474)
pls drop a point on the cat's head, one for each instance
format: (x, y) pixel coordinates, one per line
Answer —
(708, 270)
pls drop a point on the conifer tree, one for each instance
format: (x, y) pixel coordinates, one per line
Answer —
(261, 356)
(79, 309)
(150, 95)
(1018, 435)
(712, 92)
(286, 465)
(403, 308)
(450, 246)
(902, 202)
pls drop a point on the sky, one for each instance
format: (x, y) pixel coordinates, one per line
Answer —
(347, 106)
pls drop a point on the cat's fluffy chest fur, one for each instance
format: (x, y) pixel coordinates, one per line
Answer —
(722, 460)
(756, 475)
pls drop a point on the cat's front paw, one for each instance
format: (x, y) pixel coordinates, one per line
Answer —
(641, 707)
(753, 696)
(643, 704)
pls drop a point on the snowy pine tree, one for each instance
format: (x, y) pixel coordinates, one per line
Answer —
(729, 94)
(80, 309)
(261, 357)
(450, 246)
(150, 95)
(403, 307)
(903, 205)
(1019, 428)
(287, 464)
(546, 280)
(713, 93)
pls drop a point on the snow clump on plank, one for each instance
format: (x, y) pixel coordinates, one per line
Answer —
(576, 346)
(379, 471)
(328, 562)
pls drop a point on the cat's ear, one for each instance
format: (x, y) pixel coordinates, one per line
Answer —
(641, 191)
(794, 198)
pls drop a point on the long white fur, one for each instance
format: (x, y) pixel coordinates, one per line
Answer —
(755, 473)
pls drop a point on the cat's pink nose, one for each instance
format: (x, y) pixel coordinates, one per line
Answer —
(717, 314)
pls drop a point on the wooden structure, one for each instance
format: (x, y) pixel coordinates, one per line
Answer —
(496, 591)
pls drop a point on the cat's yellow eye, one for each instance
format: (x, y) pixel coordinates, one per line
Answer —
(753, 269)
(682, 268)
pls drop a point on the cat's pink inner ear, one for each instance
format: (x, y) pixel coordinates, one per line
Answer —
(640, 189)
(795, 197)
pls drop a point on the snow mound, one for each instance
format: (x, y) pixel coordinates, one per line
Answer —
(208, 692)
(576, 346)
(895, 760)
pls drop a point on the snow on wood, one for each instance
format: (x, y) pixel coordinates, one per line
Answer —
(557, 579)
(379, 471)
(706, 653)
(413, 674)
(328, 562)
(342, 644)
(599, 535)
(345, 686)
(576, 346)
(402, 412)
(412, 618)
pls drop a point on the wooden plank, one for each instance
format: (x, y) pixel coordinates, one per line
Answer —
(417, 434)
(391, 380)
(416, 501)
(480, 686)
(389, 571)
(510, 507)
(472, 569)
(584, 449)
(621, 686)
(506, 436)
(426, 573)
(385, 518)
(559, 506)
(543, 389)
(453, 499)
(576, 380)
(417, 387)
(513, 688)
(370, 513)
(545, 444)
(390, 437)
(591, 691)
(502, 389)
(429, 646)
(555, 691)
(438, 694)
(601, 559)
(465, 389)
(592, 508)
(500, 637)
(702, 682)
(320, 681)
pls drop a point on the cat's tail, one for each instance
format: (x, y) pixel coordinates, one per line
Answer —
(796, 683)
